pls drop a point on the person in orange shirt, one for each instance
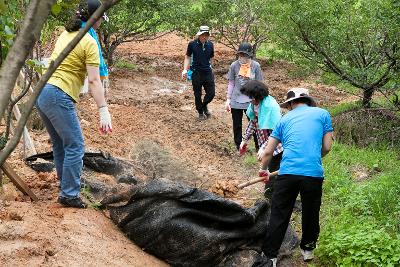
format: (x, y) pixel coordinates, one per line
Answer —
(241, 71)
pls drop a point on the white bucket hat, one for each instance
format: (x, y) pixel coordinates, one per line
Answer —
(296, 93)
(203, 29)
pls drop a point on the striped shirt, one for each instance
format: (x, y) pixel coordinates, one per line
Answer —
(262, 136)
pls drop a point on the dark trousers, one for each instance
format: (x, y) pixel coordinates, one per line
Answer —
(237, 118)
(286, 189)
(272, 166)
(206, 80)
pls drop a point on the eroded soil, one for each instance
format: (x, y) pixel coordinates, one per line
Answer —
(147, 103)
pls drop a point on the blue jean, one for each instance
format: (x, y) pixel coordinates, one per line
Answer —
(57, 109)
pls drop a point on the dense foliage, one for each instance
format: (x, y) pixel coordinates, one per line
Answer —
(232, 21)
(133, 20)
(358, 40)
(360, 211)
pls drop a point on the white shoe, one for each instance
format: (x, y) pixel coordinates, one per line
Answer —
(308, 255)
(274, 260)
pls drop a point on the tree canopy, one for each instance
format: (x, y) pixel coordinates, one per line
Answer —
(358, 40)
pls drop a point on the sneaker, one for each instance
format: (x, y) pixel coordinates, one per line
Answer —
(263, 261)
(207, 112)
(72, 202)
(308, 255)
(202, 117)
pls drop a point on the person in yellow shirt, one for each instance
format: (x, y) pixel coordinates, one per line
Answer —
(56, 103)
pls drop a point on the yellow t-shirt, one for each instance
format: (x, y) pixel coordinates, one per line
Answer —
(70, 75)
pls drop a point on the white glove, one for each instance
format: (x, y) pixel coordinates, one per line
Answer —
(228, 105)
(105, 120)
(184, 73)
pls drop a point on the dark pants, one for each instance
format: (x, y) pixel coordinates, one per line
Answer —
(286, 189)
(237, 117)
(206, 80)
(272, 166)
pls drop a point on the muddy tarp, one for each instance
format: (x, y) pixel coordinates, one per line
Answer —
(101, 162)
(186, 226)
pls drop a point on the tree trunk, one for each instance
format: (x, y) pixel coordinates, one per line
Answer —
(36, 15)
(110, 56)
(367, 97)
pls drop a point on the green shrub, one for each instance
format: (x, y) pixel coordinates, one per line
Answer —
(360, 218)
(358, 245)
(124, 64)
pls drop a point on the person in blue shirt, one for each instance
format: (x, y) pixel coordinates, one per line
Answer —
(305, 133)
(198, 59)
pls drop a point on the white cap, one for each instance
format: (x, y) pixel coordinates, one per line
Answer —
(203, 29)
(296, 93)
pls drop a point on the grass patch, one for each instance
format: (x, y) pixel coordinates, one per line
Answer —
(85, 192)
(360, 220)
(344, 107)
(124, 64)
(250, 160)
(332, 79)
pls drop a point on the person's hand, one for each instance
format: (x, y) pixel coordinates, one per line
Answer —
(105, 120)
(243, 148)
(265, 174)
(184, 74)
(260, 153)
(228, 105)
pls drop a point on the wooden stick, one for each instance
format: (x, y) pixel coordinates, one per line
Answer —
(256, 180)
(17, 181)
(29, 147)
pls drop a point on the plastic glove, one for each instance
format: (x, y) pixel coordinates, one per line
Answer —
(265, 174)
(105, 120)
(243, 148)
(228, 105)
(184, 73)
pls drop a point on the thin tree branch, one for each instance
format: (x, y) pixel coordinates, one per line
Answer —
(12, 143)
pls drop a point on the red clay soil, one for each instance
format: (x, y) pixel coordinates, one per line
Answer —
(147, 103)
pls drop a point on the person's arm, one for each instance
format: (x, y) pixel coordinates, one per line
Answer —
(327, 141)
(229, 91)
(268, 152)
(251, 128)
(186, 66)
(258, 74)
(97, 91)
(95, 86)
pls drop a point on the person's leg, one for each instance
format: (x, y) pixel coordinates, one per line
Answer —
(237, 116)
(311, 193)
(209, 88)
(285, 193)
(46, 101)
(58, 150)
(273, 166)
(197, 84)
(65, 121)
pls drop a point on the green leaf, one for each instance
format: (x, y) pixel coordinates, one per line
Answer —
(56, 9)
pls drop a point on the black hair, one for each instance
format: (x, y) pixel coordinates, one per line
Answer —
(255, 89)
(86, 8)
(302, 100)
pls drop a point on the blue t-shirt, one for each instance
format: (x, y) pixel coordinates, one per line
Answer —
(201, 55)
(301, 131)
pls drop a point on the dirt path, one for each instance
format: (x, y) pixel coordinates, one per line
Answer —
(147, 103)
